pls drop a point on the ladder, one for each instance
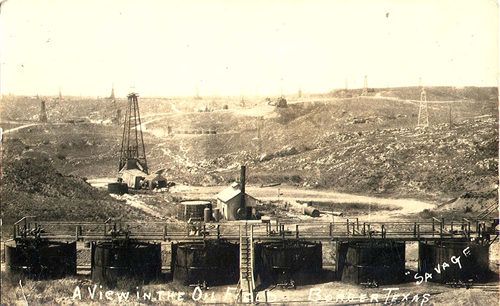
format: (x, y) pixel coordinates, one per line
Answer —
(247, 282)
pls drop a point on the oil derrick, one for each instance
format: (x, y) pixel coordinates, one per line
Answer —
(43, 113)
(423, 114)
(133, 153)
(365, 88)
(112, 96)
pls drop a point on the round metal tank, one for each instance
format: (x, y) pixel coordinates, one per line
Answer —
(475, 266)
(311, 211)
(193, 210)
(130, 261)
(35, 259)
(209, 262)
(216, 214)
(207, 215)
(371, 262)
(286, 261)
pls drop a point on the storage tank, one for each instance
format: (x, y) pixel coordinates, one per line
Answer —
(216, 214)
(288, 261)
(475, 266)
(131, 261)
(211, 262)
(193, 209)
(118, 188)
(207, 214)
(40, 259)
(371, 262)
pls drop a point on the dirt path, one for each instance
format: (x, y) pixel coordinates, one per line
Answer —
(20, 128)
(289, 193)
(135, 201)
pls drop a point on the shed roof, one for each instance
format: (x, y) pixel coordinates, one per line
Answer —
(133, 172)
(231, 192)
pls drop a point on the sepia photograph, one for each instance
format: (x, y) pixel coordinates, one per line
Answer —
(280, 152)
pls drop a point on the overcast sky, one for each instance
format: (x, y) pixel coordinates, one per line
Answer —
(165, 48)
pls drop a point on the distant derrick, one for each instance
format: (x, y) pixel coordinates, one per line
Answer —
(43, 113)
(423, 114)
(112, 96)
(365, 87)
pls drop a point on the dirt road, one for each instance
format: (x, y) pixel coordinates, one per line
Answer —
(290, 193)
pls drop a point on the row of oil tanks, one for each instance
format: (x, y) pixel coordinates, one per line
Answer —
(216, 262)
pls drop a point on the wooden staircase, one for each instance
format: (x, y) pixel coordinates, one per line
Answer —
(247, 282)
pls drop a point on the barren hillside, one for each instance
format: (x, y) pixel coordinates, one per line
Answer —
(362, 145)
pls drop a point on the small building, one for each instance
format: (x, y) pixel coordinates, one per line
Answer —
(156, 180)
(134, 178)
(229, 202)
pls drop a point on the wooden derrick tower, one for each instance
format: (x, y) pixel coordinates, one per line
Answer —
(133, 153)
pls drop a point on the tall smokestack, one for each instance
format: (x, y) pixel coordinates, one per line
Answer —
(242, 188)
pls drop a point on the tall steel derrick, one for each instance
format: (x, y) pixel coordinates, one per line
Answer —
(133, 152)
